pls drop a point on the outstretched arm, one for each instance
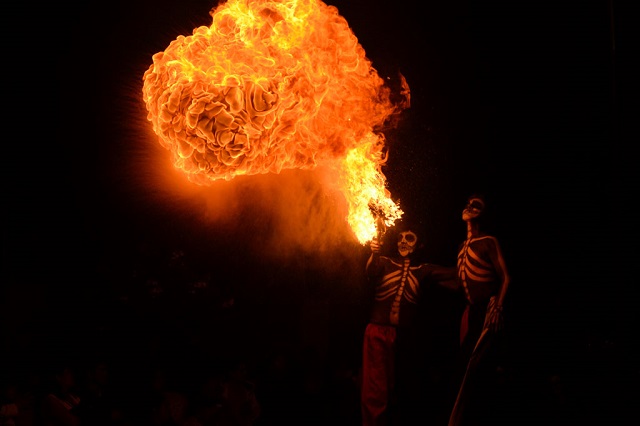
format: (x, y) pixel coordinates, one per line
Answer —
(446, 276)
(373, 263)
(451, 284)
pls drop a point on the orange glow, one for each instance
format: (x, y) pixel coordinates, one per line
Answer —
(274, 85)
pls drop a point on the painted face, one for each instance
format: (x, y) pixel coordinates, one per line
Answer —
(473, 209)
(407, 241)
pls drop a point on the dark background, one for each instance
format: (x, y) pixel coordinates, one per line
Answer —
(527, 101)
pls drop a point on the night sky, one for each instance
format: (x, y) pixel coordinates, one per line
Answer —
(525, 101)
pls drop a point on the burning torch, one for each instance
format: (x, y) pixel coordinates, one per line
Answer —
(381, 227)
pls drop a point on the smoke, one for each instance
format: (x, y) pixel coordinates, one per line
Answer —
(281, 216)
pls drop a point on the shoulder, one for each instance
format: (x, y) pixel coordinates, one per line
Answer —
(486, 239)
(426, 267)
(487, 243)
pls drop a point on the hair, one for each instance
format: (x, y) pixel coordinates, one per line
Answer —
(407, 224)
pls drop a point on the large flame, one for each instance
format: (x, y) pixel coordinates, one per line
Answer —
(273, 85)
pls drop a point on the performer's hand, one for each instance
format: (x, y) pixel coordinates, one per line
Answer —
(496, 320)
(375, 246)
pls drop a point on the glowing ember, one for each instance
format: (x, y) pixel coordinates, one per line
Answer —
(273, 85)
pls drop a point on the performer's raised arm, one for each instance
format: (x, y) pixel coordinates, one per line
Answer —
(373, 264)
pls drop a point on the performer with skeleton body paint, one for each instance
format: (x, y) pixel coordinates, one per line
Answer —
(484, 279)
(397, 281)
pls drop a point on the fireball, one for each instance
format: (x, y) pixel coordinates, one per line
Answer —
(273, 85)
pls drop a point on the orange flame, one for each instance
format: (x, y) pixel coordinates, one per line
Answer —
(273, 85)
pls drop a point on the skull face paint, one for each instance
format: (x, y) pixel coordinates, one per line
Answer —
(473, 209)
(407, 242)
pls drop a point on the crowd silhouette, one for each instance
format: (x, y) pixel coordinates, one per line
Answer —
(166, 343)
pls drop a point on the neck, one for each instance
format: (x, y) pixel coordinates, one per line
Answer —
(472, 230)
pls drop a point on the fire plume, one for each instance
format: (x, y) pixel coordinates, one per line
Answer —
(273, 85)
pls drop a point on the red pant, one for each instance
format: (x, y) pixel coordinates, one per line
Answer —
(378, 376)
